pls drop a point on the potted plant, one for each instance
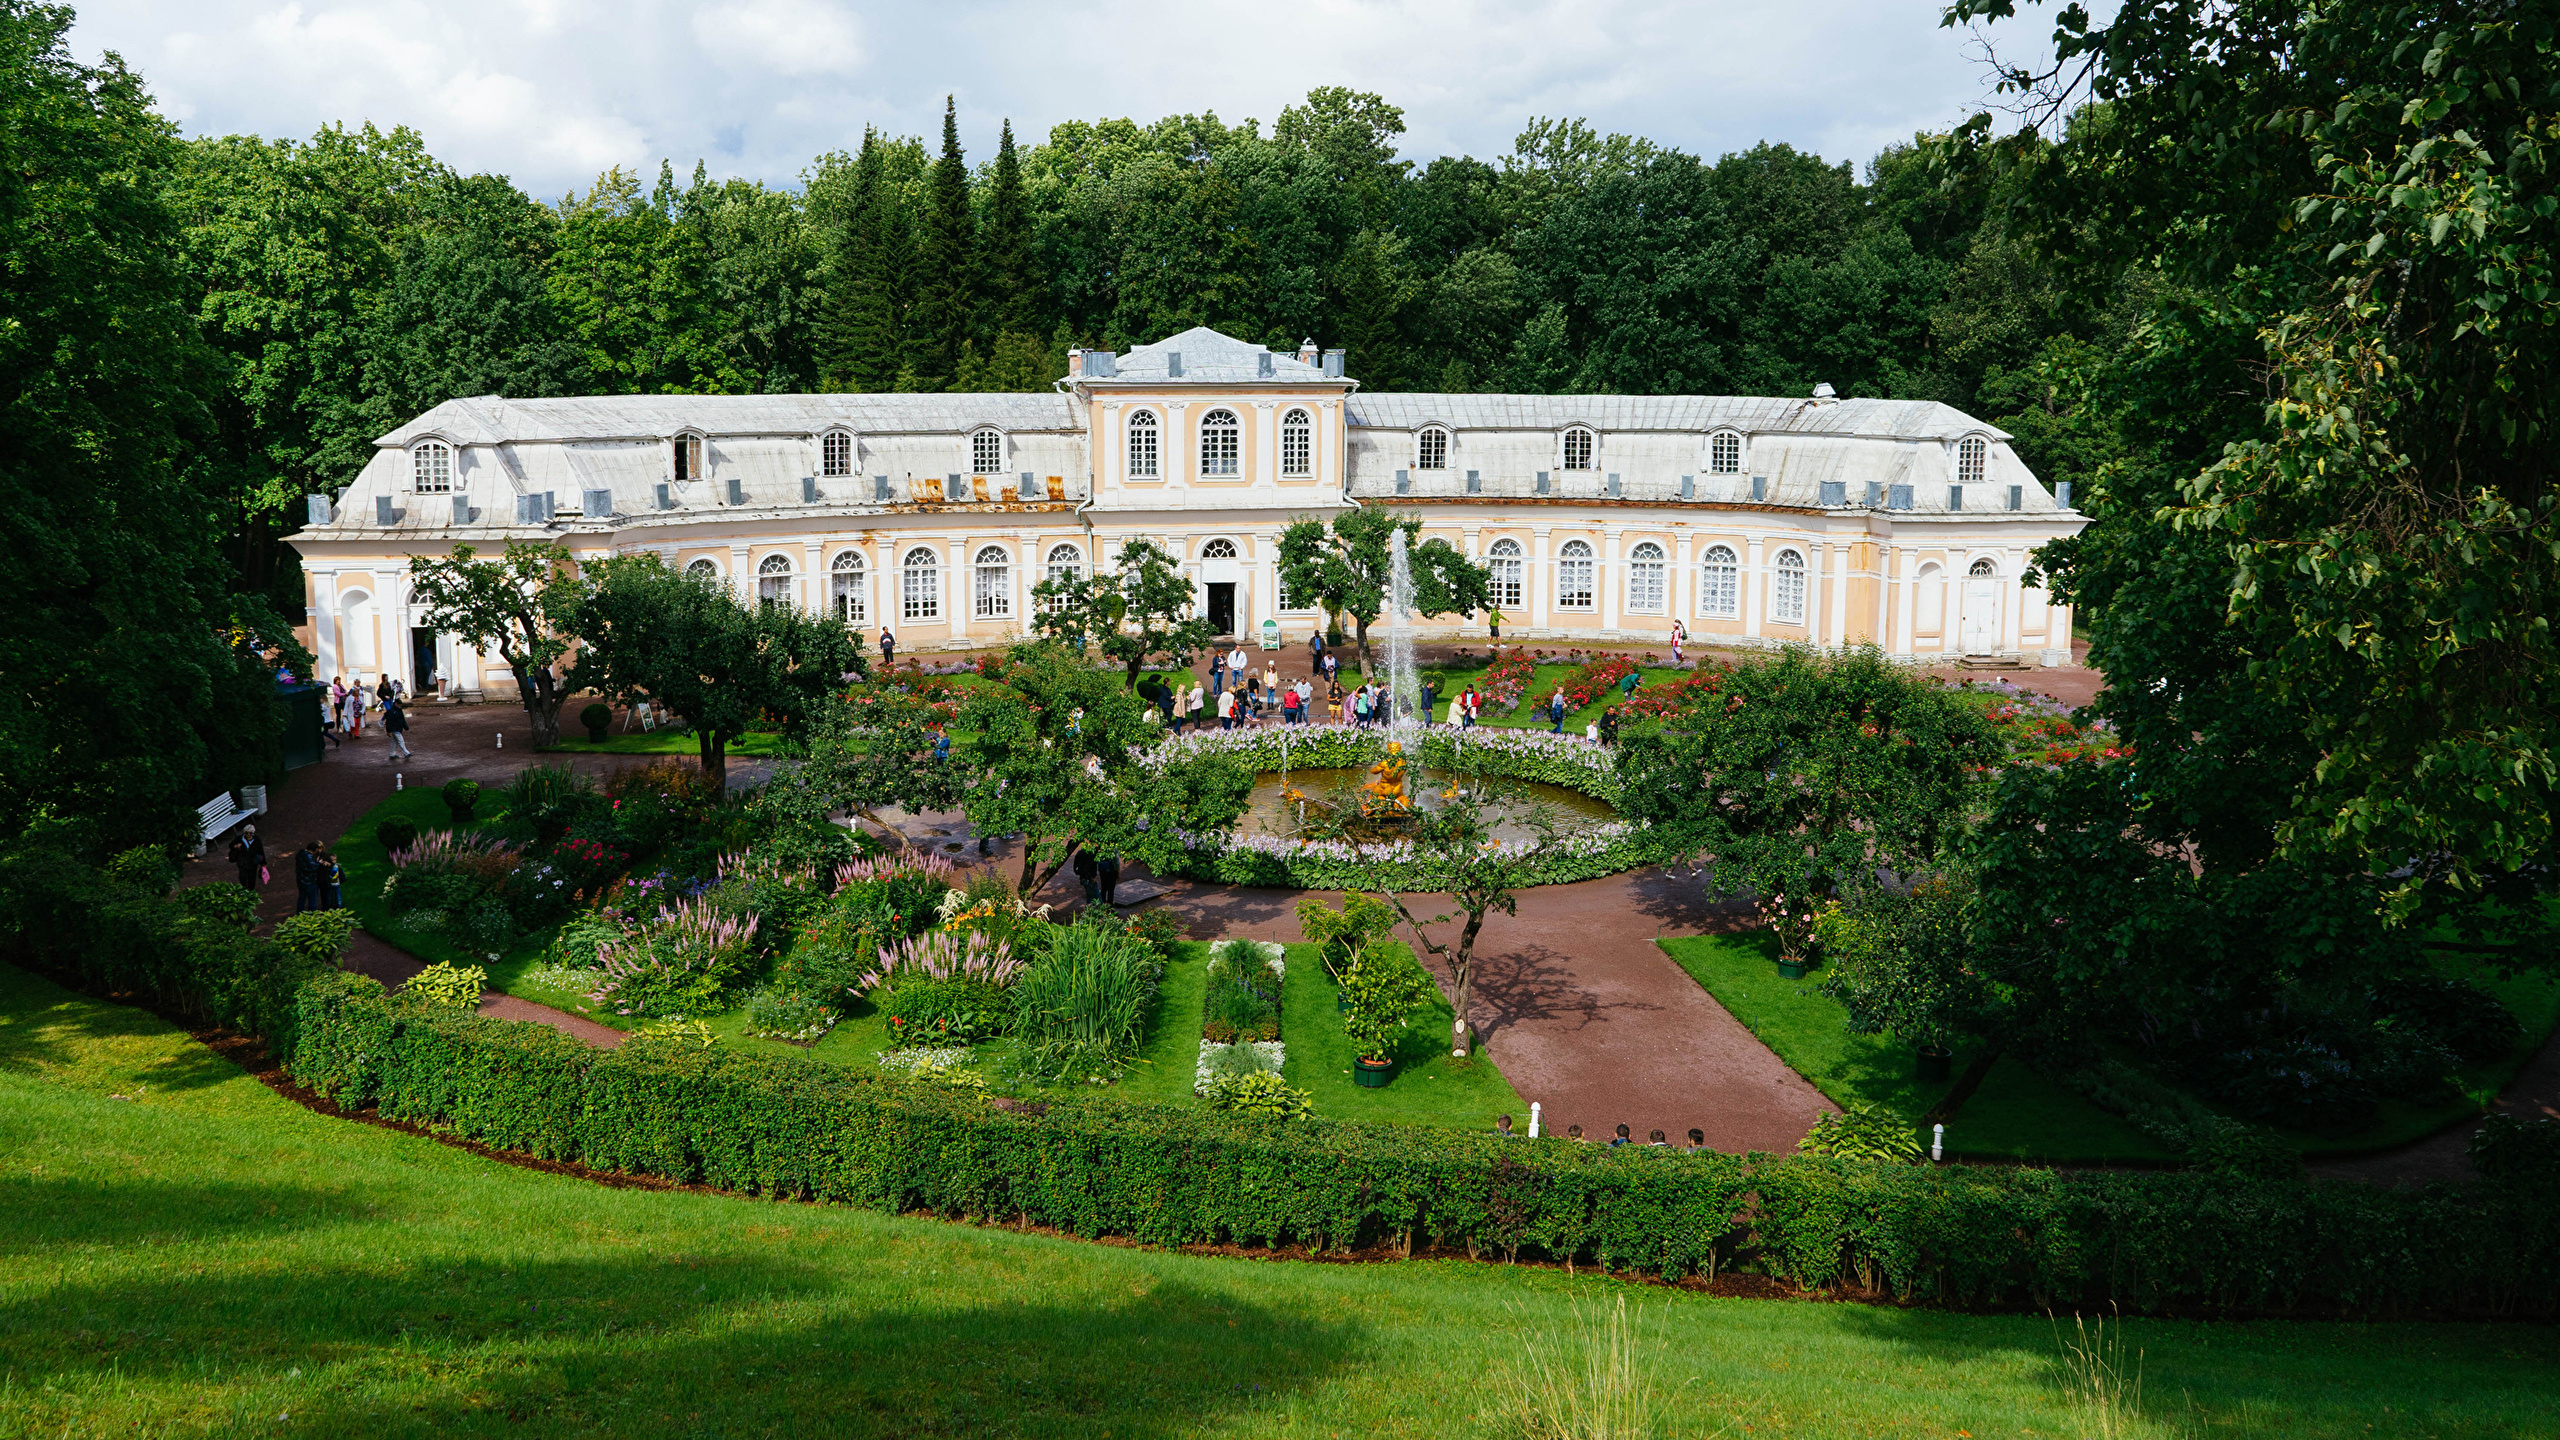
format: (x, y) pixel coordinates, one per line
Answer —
(596, 718)
(460, 796)
(1936, 1064)
(1794, 925)
(1381, 992)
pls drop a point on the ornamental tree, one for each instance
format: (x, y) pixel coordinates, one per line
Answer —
(1144, 608)
(882, 745)
(1058, 760)
(1346, 568)
(692, 645)
(513, 604)
(1453, 842)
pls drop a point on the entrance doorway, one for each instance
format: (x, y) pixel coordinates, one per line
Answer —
(1222, 606)
(422, 662)
(1982, 610)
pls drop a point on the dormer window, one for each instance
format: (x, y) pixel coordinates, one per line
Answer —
(688, 457)
(431, 468)
(835, 454)
(1580, 445)
(1431, 449)
(986, 452)
(1973, 453)
(1724, 453)
(1218, 448)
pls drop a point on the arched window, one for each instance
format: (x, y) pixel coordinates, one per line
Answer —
(1724, 453)
(1786, 589)
(1297, 443)
(920, 585)
(1972, 453)
(688, 457)
(995, 583)
(835, 454)
(1574, 576)
(431, 468)
(1506, 569)
(1985, 568)
(773, 580)
(1431, 449)
(986, 452)
(1142, 445)
(705, 569)
(1719, 584)
(1645, 589)
(1218, 550)
(1066, 562)
(1218, 443)
(851, 593)
(1579, 446)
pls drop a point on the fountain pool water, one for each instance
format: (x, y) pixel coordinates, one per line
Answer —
(1269, 811)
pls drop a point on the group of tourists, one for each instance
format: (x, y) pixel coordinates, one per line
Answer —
(1697, 1138)
(349, 704)
(317, 875)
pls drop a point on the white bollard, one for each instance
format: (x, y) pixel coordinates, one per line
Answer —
(1533, 1119)
(502, 739)
(395, 781)
(1938, 1142)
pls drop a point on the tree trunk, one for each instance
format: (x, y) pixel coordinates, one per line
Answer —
(713, 747)
(1966, 1084)
(1368, 670)
(1462, 978)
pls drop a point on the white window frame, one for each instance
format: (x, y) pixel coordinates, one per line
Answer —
(1590, 439)
(1648, 593)
(1726, 452)
(431, 468)
(1973, 460)
(849, 583)
(1219, 548)
(1983, 569)
(1719, 584)
(1227, 455)
(1055, 568)
(1577, 576)
(920, 586)
(1431, 448)
(1145, 445)
(774, 580)
(1298, 444)
(1507, 565)
(685, 460)
(702, 567)
(835, 454)
(1787, 587)
(986, 451)
(993, 590)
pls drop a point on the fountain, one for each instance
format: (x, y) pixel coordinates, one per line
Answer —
(1404, 685)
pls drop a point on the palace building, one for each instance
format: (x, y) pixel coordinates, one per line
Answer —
(1603, 518)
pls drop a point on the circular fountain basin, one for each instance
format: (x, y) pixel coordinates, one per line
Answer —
(1268, 812)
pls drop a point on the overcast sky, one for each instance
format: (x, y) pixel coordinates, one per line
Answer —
(552, 91)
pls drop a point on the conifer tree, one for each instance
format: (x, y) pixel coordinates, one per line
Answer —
(858, 338)
(1009, 286)
(946, 288)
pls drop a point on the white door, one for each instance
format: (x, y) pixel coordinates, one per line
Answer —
(1981, 614)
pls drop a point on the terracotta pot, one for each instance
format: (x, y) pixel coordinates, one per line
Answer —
(1372, 1074)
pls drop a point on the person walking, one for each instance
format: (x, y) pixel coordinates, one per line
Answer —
(332, 711)
(1493, 618)
(395, 724)
(306, 878)
(1679, 637)
(1609, 726)
(888, 647)
(249, 858)
(1471, 702)
(333, 876)
(1555, 709)
(1227, 710)
(1333, 702)
(352, 721)
(1107, 876)
(1088, 875)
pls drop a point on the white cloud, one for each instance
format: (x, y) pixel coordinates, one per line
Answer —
(552, 91)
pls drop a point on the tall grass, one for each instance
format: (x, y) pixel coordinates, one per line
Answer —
(1081, 1010)
(1589, 1377)
(2103, 1389)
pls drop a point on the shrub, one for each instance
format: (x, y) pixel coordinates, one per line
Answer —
(924, 1010)
(680, 962)
(2519, 1151)
(1258, 1093)
(1162, 929)
(460, 796)
(446, 987)
(1862, 1132)
(543, 800)
(220, 905)
(1383, 990)
(597, 718)
(484, 858)
(1343, 936)
(1083, 1009)
(562, 879)
(396, 833)
(319, 936)
(779, 1014)
(2466, 1020)
(145, 868)
(944, 955)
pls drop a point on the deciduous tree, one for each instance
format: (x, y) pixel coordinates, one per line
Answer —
(1142, 610)
(518, 604)
(1345, 567)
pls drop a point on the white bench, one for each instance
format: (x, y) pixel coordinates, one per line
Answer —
(216, 816)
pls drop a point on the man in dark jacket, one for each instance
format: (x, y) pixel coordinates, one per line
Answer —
(395, 724)
(306, 878)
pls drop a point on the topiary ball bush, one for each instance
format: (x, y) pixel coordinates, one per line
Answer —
(396, 834)
(596, 718)
(460, 796)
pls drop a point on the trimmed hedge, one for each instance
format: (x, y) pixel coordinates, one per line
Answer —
(1168, 1175)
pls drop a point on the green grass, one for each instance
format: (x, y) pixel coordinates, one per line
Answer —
(665, 742)
(2015, 1115)
(1543, 682)
(2534, 999)
(209, 1259)
(1430, 1086)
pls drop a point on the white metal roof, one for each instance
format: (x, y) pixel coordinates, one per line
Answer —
(489, 419)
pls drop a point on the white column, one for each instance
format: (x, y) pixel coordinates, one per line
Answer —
(1903, 568)
(959, 599)
(1266, 451)
(1841, 558)
(741, 584)
(813, 580)
(1540, 581)
(1951, 613)
(324, 623)
(1175, 462)
(2012, 601)
(1753, 586)
(1677, 595)
(1612, 580)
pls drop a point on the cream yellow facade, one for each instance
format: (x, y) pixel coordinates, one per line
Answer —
(1603, 519)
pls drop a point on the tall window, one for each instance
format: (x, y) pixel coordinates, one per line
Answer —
(1574, 576)
(1218, 443)
(1506, 567)
(835, 453)
(1971, 453)
(1433, 452)
(851, 595)
(1579, 444)
(1644, 580)
(1724, 453)
(1142, 445)
(431, 468)
(773, 580)
(986, 452)
(920, 585)
(1066, 562)
(995, 583)
(688, 457)
(703, 570)
(1719, 584)
(1297, 443)
(1786, 589)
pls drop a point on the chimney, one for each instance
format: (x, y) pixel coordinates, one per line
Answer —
(1333, 364)
(1307, 352)
(1173, 364)
(1075, 364)
(1823, 394)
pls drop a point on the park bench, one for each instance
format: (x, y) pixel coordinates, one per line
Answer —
(215, 817)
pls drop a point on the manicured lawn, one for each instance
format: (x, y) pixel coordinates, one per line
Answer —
(2015, 1115)
(664, 742)
(2535, 1001)
(209, 1259)
(1430, 1086)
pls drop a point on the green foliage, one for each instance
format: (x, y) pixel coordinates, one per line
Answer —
(777, 1013)
(1243, 999)
(396, 833)
(922, 1010)
(229, 907)
(1862, 1132)
(1345, 935)
(1383, 991)
(144, 867)
(543, 801)
(1902, 962)
(447, 987)
(1081, 1009)
(1140, 612)
(596, 718)
(519, 605)
(460, 796)
(1258, 1093)
(1346, 569)
(317, 936)
(2518, 1151)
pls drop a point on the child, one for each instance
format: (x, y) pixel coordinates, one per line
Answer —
(1697, 1138)
(331, 877)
